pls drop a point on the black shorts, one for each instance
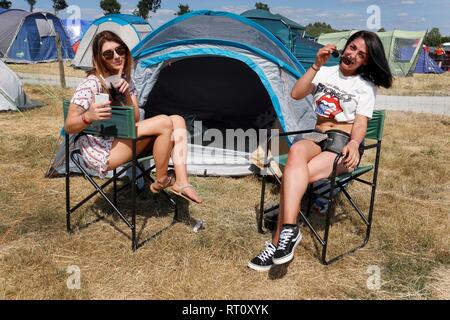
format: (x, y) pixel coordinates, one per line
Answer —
(335, 141)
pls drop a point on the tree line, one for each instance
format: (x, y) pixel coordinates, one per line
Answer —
(144, 7)
(58, 5)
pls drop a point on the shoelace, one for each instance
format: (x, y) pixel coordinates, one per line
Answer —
(285, 238)
(268, 251)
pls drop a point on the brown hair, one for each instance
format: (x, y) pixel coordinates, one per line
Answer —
(98, 63)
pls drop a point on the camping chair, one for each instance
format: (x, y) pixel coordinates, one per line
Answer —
(121, 125)
(327, 188)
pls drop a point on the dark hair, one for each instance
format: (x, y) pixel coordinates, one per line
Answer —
(377, 68)
(98, 63)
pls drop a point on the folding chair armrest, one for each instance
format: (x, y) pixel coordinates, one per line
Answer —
(283, 134)
(371, 146)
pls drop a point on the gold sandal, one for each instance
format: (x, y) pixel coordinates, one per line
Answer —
(181, 192)
(158, 186)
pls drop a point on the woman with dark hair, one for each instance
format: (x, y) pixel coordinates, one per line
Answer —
(344, 98)
(112, 58)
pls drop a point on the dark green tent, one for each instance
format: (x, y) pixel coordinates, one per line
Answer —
(290, 33)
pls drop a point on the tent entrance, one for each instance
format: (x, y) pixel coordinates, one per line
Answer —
(221, 92)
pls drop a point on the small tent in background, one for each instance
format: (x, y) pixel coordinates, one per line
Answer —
(12, 96)
(281, 27)
(425, 64)
(130, 28)
(31, 37)
(402, 48)
(291, 34)
(227, 72)
(75, 29)
(306, 51)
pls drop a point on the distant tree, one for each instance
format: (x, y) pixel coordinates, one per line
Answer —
(182, 9)
(59, 5)
(433, 37)
(31, 3)
(110, 6)
(262, 6)
(381, 30)
(5, 4)
(145, 6)
(317, 28)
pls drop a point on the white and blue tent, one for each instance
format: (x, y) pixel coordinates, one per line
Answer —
(224, 70)
(130, 28)
(30, 37)
(75, 28)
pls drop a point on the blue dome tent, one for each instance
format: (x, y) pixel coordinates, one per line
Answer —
(31, 37)
(222, 69)
(425, 64)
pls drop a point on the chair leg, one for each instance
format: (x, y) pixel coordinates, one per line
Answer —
(328, 221)
(261, 205)
(310, 201)
(115, 187)
(370, 215)
(133, 200)
(67, 164)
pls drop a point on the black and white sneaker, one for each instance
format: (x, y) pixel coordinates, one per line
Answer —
(263, 261)
(290, 237)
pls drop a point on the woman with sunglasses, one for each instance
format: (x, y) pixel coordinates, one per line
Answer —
(110, 57)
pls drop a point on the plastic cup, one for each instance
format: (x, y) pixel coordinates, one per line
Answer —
(114, 80)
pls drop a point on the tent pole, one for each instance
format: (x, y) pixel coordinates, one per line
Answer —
(62, 77)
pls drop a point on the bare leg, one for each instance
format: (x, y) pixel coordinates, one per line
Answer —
(121, 151)
(319, 167)
(294, 182)
(161, 128)
(179, 157)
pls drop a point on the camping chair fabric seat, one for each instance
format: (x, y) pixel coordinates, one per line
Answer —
(326, 188)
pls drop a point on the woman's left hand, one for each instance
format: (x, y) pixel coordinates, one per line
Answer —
(351, 154)
(123, 86)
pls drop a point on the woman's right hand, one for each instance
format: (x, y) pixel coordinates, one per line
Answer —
(99, 111)
(324, 54)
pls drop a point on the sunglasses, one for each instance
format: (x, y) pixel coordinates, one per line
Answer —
(109, 54)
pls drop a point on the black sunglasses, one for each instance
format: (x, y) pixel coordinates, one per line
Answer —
(109, 54)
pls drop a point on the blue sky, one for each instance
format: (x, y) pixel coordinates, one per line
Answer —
(341, 14)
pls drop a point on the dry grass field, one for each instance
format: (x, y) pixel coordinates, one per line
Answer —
(409, 242)
(51, 68)
(420, 85)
